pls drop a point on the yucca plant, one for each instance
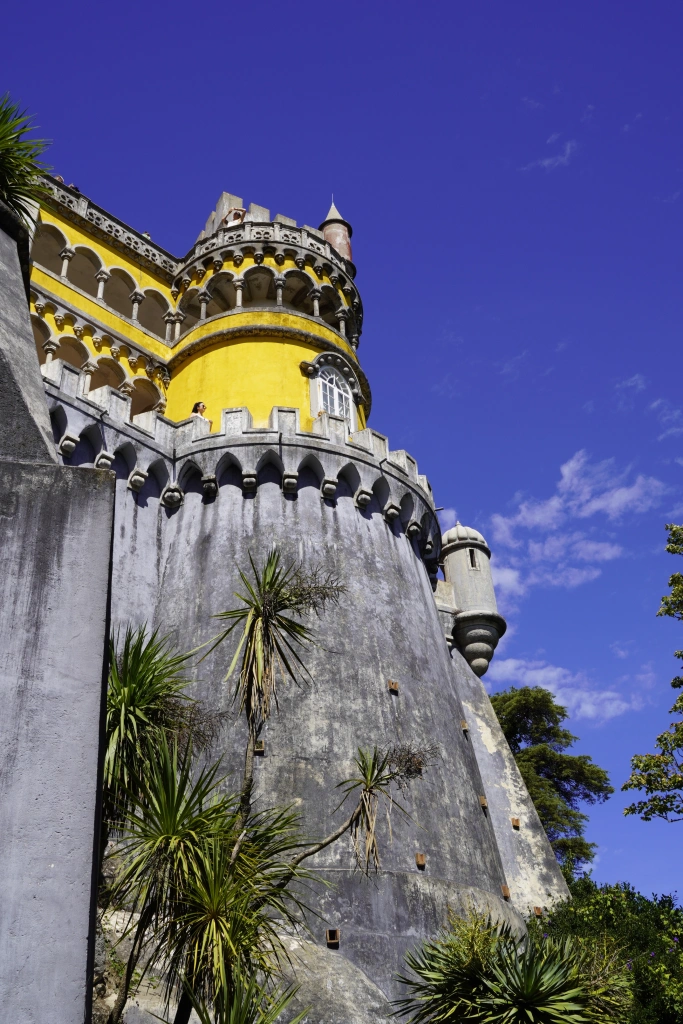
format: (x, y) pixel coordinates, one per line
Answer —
(20, 164)
(165, 827)
(145, 703)
(247, 1002)
(481, 972)
(271, 640)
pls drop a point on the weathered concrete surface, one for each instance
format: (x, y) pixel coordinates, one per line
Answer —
(25, 433)
(532, 872)
(385, 627)
(55, 530)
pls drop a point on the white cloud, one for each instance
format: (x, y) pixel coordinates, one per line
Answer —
(636, 383)
(447, 518)
(549, 163)
(670, 417)
(506, 579)
(541, 543)
(531, 104)
(552, 138)
(572, 689)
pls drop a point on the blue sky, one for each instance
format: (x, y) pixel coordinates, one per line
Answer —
(514, 176)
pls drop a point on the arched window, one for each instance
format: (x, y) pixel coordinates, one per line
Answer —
(335, 395)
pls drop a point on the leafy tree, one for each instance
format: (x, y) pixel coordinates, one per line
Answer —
(481, 972)
(660, 776)
(20, 165)
(650, 931)
(557, 782)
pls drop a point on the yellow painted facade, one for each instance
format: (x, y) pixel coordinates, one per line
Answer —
(241, 358)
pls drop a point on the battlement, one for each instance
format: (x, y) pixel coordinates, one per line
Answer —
(97, 429)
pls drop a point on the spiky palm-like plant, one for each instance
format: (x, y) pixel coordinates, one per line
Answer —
(164, 828)
(271, 640)
(248, 1002)
(482, 973)
(145, 703)
(20, 164)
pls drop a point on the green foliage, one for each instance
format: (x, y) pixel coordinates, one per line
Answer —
(20, 164)
(650, 931)
(557, 782)
(660, 775)
(247, 1003)
(272, 634)
(482, 973)
(145, 704)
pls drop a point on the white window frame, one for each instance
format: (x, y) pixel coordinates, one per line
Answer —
(317, 403)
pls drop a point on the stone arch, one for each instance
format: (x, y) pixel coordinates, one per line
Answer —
(89, 444)
(310, 472)
(229, 470)
(59, 421)
(222, 292)
(273, 460)
(329, 304)
(349, 479)
(151, 312)
(189, 305)
(159, 470)
(259, 286)
(117, 292)
(108, 374)
(71, 351)
(47, 245)
(407, 506)
(145, 396)
(382, 491)
(190, 478)
(41, 334)
(297, 286)
(127, 454)
(82, 269)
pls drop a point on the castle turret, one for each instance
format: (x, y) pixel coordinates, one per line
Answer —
(477, 626)
(337, 232)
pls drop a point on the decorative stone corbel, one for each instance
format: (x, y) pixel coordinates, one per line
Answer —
(97, 342)
(363, 497)
(328, 488)
(40, 307)
(104, 460)
(67, 445)
(300, 262)
(200, 271)
(413, 529)
(289, 482)
(115, 351)
(477, 634)
(172, 496)
(209, 485)
(217, 264)
(59, 320)
(249, 480)
(127, 388)
(137, 479)
(238, 259)
(258, 258)
(391, 511)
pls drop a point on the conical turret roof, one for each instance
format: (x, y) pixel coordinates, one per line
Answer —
(333, 216)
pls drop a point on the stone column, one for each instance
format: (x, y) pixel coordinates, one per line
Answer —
(66, 255)
(136, 298)
(342, 316)
(239, 288)
(102, 276)
(315, 295)
(179, 317)
(87, 370)
(279, 289)
(169, 320)
(49, 348)
(204, 297)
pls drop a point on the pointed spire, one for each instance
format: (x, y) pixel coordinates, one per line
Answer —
(337, 231)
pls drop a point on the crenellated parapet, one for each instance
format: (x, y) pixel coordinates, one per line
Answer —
(176, 457)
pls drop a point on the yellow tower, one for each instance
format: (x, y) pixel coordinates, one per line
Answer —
(259, 313)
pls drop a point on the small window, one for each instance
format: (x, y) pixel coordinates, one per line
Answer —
(473, 558)
(335, 395)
